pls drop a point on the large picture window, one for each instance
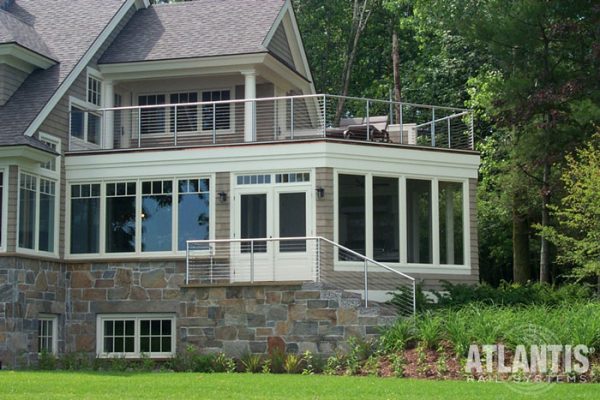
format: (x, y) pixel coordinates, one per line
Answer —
(193, 210)
(139, 217)
(157, 215)
(27, 211)
(85, 218)
(120, 217)
(46, 222)
(451, 223)
(352, 212)
(397, 220)
(135, 336)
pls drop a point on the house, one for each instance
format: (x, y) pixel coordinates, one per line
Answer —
(169, 176)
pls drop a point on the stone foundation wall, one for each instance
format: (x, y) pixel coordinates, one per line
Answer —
(230, 318)
(28, 288)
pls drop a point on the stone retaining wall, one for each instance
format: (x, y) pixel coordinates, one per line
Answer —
(230, 318)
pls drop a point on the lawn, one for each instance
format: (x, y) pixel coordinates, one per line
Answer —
(64, 385)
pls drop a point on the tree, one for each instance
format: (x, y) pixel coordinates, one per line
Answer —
(577, 236)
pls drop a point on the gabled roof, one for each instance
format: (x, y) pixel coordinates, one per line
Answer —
(13, 30)
(200, 28)
(68, 28)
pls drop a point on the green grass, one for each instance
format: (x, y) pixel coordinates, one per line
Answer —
(63, 385)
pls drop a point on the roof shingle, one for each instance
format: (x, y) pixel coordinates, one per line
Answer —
(68, 28)
(13, 30)
(200, 28)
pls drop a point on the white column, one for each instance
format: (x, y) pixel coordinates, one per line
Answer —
(281, 127)
(249, 106)
(108, 123)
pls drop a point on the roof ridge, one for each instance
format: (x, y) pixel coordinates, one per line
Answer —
(2, 10)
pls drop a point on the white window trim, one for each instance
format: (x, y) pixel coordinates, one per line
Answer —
(95, 74)
(54, 319)
(84, 143)
(4, 226)
(403, 265)
(45, 137)
(57, 200)
(100, 318)
(103, 254)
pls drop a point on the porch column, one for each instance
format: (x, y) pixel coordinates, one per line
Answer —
(249, 106)
(108, 124)
(281, 127)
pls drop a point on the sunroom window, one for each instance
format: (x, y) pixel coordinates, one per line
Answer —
(120, 217)
(352, 212)
(85, 218)
(37, 213)
(157, 215)
(451, 223)
(193, 210)
(419, 221)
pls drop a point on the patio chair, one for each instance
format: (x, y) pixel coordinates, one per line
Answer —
(376, 130)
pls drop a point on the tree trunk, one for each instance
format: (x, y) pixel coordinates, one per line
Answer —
(397, 83)
(360, 16)
(520, 241)
(544, 253)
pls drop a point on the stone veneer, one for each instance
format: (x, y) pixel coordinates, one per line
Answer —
(234, 319)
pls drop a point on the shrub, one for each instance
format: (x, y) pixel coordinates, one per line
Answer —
(223, 363)
(292, 363)
(251, 362)
(47, 361)
(276, 359)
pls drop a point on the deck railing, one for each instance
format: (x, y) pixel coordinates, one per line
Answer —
(271, 119)
(299, 259)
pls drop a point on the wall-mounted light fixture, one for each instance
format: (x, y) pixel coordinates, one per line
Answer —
(223, 197)
(320, 192)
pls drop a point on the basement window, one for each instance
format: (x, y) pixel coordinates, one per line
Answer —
(134, 336)
(47, 334)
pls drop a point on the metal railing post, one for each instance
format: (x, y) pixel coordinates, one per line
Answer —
(175, 127)
(472, 136)
(318, 271)
(433, 127)
(252, 261)
(324, 115)
(414, 284)
(401, 126)
(139, 127)
(449, 135)
(366, 286)
(368, 124)
(214, 124)
(187, 263)
(291, 118)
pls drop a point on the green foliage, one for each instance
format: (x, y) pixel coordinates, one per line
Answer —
(277, 358)
(457, 295)
(292, 363)
(396, 337)
(47, 361)
(223, 363)
(577, 236)
(252, 363)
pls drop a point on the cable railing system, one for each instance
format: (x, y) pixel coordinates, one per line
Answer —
(299, 259)
(271, 119)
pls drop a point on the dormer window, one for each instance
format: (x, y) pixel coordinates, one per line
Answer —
(94, 90)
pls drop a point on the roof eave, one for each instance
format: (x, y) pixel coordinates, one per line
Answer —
(24, 59)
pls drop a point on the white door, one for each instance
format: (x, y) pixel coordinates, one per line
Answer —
(275, 212)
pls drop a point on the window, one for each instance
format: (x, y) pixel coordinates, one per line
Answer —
(94, 90)
(193, 210)
(352, 212)
(292, 177)
(27, 211)
(85, 218)
(184, 118)
(451, 223)
(216, 115)
(253, 179)
(85, 125)
(47, 334)
(152, 119)
(46, 222)
(157, 215)
(134, 336)
(1, 208)
(169, 212)
(54, 144)
(386, 220)
(418, 212)
(120, 217)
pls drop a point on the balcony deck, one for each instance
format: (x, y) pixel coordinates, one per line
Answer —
(274, 119)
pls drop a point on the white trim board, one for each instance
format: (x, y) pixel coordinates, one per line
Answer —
(376, 159)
